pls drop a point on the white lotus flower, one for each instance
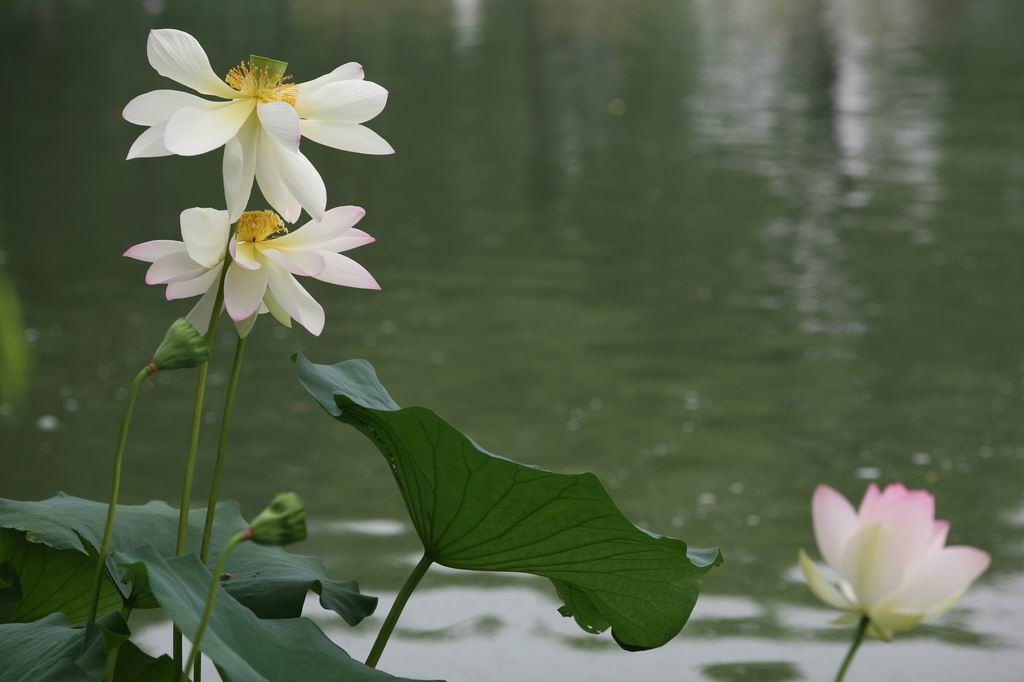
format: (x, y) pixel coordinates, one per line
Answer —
(265, 258)
(259, 121)
(890, 558)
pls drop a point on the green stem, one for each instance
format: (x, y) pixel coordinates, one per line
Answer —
(212, 598)
(222, 443)
(218, 467)
(193, 443)
(396, 610)
(115, 488)
(857, 639)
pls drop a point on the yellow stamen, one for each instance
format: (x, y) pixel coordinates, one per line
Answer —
(260, 226)
(255, 81)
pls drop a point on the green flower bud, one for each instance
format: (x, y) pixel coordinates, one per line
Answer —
(183, 346)
(281, 523)
(273, 68)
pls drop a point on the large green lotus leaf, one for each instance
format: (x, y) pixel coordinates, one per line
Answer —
(477, 511)
(268, 580)
(244, 646)
(50, 580)
(51, 650)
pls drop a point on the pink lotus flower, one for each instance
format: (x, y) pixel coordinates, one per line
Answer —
(890, 558)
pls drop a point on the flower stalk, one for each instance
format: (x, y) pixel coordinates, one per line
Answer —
(193, 447)
(115, 489)
(222, 441)
(396, 610)
(211, 599)
(858, 638)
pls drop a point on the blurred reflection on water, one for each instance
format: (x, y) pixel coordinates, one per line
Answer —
(713, 251)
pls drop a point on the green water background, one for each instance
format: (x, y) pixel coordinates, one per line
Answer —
(715, 252)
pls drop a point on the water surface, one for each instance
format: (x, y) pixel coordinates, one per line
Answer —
(714, 251)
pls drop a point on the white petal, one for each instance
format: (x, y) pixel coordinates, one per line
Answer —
(201, 312)
(245, 326)
(345, 72)
(195, 286)
(155, 250)
(159, 105)
(314, 235)
(295, 261)
(269, 180)
(172, 268)
(349, 137)
(871, 564)
(346, 272)
(193, 131)
(279, 313)
(939, 579)
(353, 101)
(820, 586)
(239, 167)
(351, 239)
(244, 253)
(150, 143)
(178, 56)
(281, 123)
(889, 621)
(296, 301)
(205, 231)
(300, 178)
(835, 522)
(243, 291)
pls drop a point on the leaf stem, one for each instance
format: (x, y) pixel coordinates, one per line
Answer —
(396, 610)
(193, 443)
(212, 598)
(857, 639)
(115, 488)
(218, 467)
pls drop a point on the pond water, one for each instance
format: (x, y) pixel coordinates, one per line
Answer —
(715, 252)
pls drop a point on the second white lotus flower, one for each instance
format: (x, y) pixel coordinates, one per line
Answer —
(259, 121)
(265, 259)
(890, 557)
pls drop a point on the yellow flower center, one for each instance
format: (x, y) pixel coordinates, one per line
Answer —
(257, 81)
(260, 226)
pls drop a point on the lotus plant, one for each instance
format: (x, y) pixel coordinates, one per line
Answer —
(893, 566)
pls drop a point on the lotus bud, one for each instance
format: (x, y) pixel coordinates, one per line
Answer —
(281, 523)
(183, 346)
(273, 69)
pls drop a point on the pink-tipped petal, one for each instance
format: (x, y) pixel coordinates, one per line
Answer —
(316, 234)
(835, 522)
(193, 287)
(939, 579)
(345, 272)
(150, 252)
(174, 267)
(349, 137)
